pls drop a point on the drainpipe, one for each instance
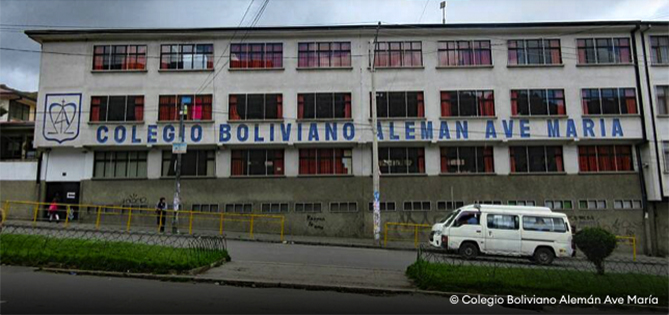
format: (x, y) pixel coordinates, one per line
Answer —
(38, 176)
(644, 140)
(655, 143)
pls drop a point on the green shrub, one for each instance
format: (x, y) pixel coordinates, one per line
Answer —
(597, 244)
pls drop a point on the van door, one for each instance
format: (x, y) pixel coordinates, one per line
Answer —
(502, 234)
(466, 227)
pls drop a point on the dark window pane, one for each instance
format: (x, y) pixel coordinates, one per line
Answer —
(255, 107)
(537, 159)
(324, 106)
(116, 108)
(397, 104)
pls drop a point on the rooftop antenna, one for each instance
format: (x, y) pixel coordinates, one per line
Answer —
(443, 6)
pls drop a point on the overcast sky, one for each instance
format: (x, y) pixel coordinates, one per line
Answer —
(21, 69)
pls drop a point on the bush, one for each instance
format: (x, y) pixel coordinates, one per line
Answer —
(597, 244)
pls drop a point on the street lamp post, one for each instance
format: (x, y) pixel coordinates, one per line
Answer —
(375, 149)
(183, 110)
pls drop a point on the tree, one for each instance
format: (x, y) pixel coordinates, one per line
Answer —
(597, 244)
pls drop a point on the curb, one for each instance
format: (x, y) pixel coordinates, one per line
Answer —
(315, 243)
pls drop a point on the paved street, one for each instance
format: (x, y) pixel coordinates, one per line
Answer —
(24, 291)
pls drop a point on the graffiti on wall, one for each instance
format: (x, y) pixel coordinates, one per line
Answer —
(620, 227)
(316, 223)
(134, 200)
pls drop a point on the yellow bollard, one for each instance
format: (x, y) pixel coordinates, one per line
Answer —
(127, 228)
(251, 226)
(220, 230)
(415, 237)
(160, 220)
(190, 224)
(97, 220)
(67, 216)
(282, 222)
(385, 235)
(36, 211)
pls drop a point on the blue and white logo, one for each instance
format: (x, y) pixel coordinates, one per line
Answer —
(62, 117)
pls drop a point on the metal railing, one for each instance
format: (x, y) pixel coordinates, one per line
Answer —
(629, 240)
(401, 228)
(130, 217)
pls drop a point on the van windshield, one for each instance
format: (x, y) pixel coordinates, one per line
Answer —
(450, 217)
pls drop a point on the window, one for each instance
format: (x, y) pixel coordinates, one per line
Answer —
(120, 164)
(170, 106)
(402, 160)
(464, 53)
(117, 108)
(398, 54)
(604, 50)
(537, 102)
(324, 55)
(605, 158)
(18, 111)
(666, 156)
(449, 205)
(325, 161)
(195, 162)
(534, 52)
(417, 206)
(256, 106)
(256, 56)
(536, 159)
(343, 207)
(659, 49)
(467, 160)
(187, 56)
(257, 162)
(662, 92)
(544, 224)
(559, 204)
(205, 207)
(119, 57)
(239, 207)
(592, 204)
(467, 103)
(399, 104)
(502, 221)
(323, 105)
(274, 207)
(609, 101)
(627, 204)
(308, 207)
(384, 206)
(529, 203)
(488, 202)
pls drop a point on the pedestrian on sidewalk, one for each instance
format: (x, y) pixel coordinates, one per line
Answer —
(161, 213)
(53, 209)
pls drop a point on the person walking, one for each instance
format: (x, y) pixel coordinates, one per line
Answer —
(161, 213)
(53, 210)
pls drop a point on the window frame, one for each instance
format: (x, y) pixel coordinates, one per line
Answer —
(585, 156)
(309, 158)
(170, 158)
(484, 151)
(388, 50)
(177, 57)
(663, 50)
(483, 106)
(447, 51)
(662, 99)
(95, 109)
(271, 56)
(613, 48)
(304, 60)
(205, 102)
(620, 95)
(545, 47)
(111, 160)
(528, 159)
(234, 109)
(420, 104)
(348, 206)
(561, 110)
(347, 109)
(420, 155)
(383, 206)
(244, 158)
(109, 53)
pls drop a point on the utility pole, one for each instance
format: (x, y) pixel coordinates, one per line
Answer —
(375, 149)
(183, 110)
(442, 6)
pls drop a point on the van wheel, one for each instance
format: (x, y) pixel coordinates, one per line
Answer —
(468, 250)
(543, 256)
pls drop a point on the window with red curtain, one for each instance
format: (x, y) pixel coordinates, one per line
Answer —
(95, 108)
(308, 161)
(278, 161)
(467, 160)
(325, 161)
(421, 104)
(584, 159)
(421, 161)
(623, 155)
(629, 101)
(447, 103)
(605, 158)
(233, 112)
(512, 158)
(239, 162)
(399, 54)
(488, 160)
(139, 108)
(559, 163)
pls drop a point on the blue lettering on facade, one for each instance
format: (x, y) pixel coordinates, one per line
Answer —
(553, 128)
(571, 129)
(102, 134)
(379, 130)
(133, 136)
(349, 131)
(617, 129)
(271, 132)
(462, 129)
(588, 126)
(151, 134)
(242, 132)
(299, 131)
(313, 132)
(524, 128)
(490, 131)
(285, 131)
(444, 133)
(391, 131)
(409, 130)
(256, 134)
(119, 134)
(168, 133)
(330, 131)
(426, 130)
(507, 125)
(602, 126)
(224, 133)
(196, 133)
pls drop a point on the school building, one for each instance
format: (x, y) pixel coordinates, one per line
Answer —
(571, 115)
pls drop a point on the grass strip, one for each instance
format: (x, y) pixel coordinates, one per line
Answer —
(542, 282)
(41, 251)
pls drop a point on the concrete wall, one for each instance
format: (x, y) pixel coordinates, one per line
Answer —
(662, 226)
(19, 190)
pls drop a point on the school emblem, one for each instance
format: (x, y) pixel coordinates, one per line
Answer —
(62, 117)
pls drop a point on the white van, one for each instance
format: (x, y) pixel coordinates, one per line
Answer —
(534, 232)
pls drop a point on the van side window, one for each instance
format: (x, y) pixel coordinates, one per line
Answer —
(544, 224)
(471, 218)
(503, 221)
